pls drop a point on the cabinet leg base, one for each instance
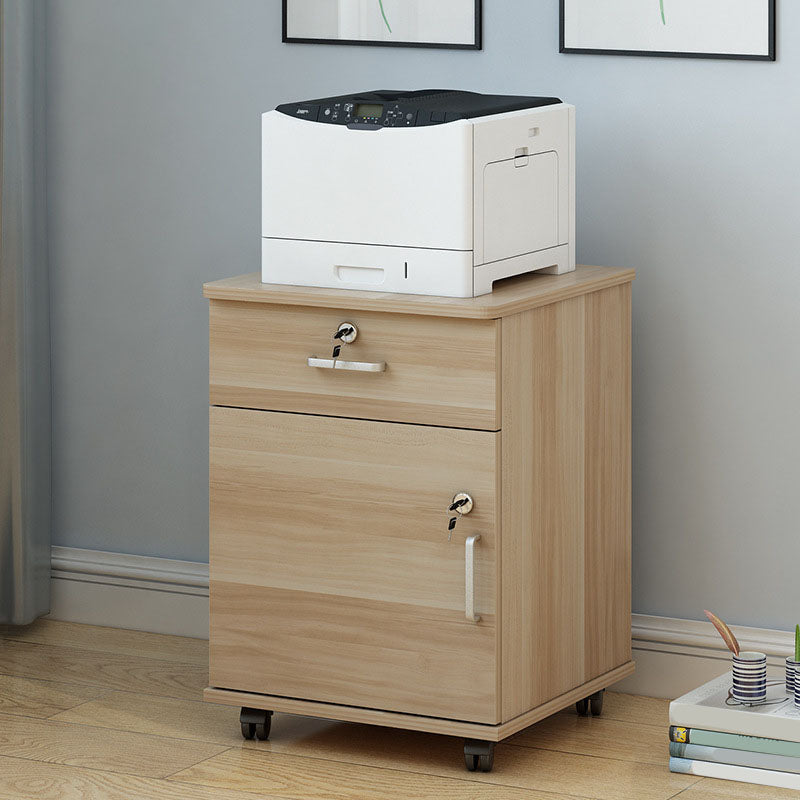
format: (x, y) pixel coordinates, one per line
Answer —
(255, 723)
(478, 755)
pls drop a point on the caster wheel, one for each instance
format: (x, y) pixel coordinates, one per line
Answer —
(596, 702)
(255, 723)
(593, 703)
(478, 755)
(485, 763)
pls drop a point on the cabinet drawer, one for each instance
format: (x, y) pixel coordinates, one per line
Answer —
(332, 577)
(438, 371)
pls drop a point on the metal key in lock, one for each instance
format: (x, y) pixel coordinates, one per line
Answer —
(346, 334)
(462, 504)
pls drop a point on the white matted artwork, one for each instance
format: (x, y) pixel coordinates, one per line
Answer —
(406, 23)
(696, 28)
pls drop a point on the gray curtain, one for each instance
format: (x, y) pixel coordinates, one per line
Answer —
(24, 319)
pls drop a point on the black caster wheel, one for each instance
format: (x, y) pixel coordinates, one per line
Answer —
(593, 703)
(478, 755)
(596, 702)
(255, 723)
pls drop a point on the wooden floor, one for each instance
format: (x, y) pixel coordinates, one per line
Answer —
(90, 713)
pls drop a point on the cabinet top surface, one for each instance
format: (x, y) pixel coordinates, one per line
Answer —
(508, 297)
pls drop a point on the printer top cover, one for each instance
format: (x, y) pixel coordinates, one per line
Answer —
(385, 108)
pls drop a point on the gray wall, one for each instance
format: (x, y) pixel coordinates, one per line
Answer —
(688, 170)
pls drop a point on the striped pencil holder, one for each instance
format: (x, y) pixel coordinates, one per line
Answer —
(797, 694)
(792, 669)
(750, 677)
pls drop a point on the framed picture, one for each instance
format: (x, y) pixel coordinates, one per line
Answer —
(689, 28)
(396, 23)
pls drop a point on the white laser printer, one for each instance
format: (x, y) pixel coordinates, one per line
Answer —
(432, 192)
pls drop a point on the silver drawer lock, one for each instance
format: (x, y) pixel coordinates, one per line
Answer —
(346, 333)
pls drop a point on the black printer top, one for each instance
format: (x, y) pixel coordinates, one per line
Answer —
(396, 109)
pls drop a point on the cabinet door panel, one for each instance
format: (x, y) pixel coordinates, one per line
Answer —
(332, 577)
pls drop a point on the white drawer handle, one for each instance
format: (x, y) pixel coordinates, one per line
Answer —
(470, 577)
(353, 366)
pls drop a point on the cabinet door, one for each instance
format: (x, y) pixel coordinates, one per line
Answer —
(332, 577)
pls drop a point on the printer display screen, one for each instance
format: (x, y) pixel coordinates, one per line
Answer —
(369, 110)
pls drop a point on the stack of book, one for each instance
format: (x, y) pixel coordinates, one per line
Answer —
(712, 736)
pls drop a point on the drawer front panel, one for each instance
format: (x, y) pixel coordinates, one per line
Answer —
(438, 371)
(332, 577)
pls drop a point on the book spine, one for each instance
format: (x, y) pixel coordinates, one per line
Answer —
(781, 725)
(734, 741)
(729, 772)
(742, 758)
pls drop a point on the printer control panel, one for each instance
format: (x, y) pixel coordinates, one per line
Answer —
(412, 109)
(368, 115)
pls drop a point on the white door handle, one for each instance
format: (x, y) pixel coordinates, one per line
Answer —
(469, 577)
(353, 366)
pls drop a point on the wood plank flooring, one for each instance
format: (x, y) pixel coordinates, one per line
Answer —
(105, 714)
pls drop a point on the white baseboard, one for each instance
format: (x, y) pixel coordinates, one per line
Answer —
(675, 655)
(118, 590)
(164, 596)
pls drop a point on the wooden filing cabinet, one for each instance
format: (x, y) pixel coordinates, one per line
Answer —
(336, 588)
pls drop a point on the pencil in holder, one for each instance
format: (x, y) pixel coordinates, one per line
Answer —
(750, 677)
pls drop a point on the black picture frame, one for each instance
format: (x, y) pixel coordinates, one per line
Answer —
(477, 45)
(770, 56)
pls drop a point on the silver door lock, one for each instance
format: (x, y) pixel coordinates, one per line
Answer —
(462, 504)
(346, 333)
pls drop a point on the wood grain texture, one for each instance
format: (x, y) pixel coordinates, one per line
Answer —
(565, 550)
(108, 671)
(326, 568)
(404, 761)
(635, 709)
(509, 296)
(438, 371)
(20, 778)
(607, 485)
(597, 736)
(531, 769)
(310, 779)
(159, 716)
(543, 510)
(564, 700)
(332, 577)
(713, 789)
(350, 508)
(348, 714)
(84, 746)
(359, 652)
(35, 698)
(450, 727)
(110, 640)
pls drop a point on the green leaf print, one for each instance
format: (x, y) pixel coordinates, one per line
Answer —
(383, 14)
(663, 15)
